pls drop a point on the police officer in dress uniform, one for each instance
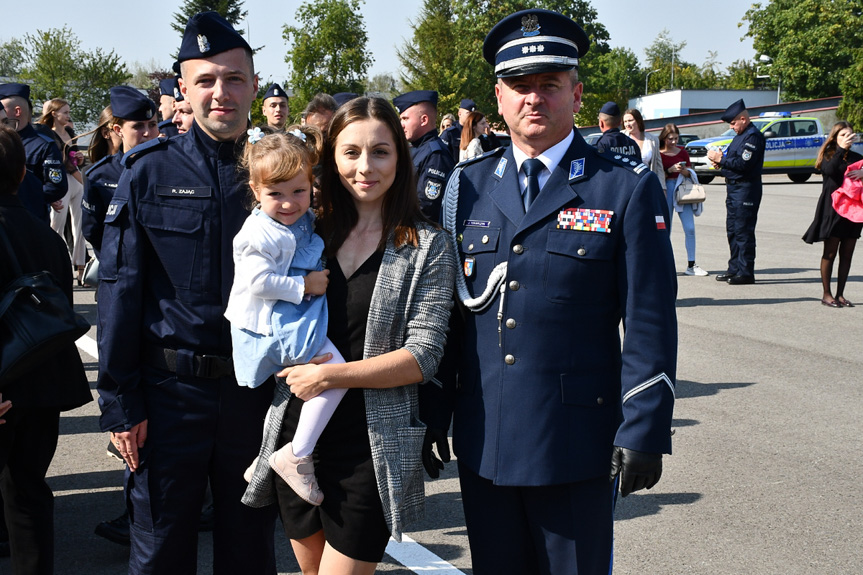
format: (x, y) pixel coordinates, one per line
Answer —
(559, 244)
(344, 97)
(418, 113)
(612, 139)
(741, 167)
(169, 94)
(166, 384)
(30, 194)
(452, 135)
(275, 107)
(44, 158)
(102, 178)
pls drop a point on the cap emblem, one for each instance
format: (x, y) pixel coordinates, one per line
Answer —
(532, 49)
(203, 43)
(176, 93)
(275, 92)
(149, 114)
(530, 25)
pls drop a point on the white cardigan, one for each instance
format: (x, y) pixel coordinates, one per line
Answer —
(650, 155)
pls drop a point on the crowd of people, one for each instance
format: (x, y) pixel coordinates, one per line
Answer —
(352, 286)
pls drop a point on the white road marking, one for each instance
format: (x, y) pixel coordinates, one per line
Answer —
(409, 553)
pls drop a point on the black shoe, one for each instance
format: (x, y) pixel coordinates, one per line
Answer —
(206, 521)
(116, 530)
(115, 453)
(741, 280)
(724, 277)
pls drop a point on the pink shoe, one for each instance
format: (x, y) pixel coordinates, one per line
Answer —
(247, 474)
(298, 473)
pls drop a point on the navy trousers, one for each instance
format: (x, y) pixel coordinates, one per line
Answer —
(199, 430)
(741, 206)
(547, 530)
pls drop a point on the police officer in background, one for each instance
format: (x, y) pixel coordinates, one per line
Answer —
(559, 243)
(612, 139)
(344, 97)
(166, 384)
(432, 160)
(169, 94)
(741, 167)
(452, 135)
(275, 107)
(30, 194)
(44, 158)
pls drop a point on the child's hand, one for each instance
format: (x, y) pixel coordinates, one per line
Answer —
(316, 282)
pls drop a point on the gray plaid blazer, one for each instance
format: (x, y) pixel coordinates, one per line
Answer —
(409, 309)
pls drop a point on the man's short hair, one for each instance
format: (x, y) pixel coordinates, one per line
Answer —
(320, 103)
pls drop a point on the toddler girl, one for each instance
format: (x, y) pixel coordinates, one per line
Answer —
(277, 308)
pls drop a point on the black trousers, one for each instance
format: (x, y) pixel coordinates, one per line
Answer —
(28, 441)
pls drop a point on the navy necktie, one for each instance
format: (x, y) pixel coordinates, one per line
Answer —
(532, 168)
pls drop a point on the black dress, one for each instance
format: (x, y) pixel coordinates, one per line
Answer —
(827, 223)
(351, 514)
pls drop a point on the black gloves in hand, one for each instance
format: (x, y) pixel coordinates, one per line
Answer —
(638, 470)
(432, 464)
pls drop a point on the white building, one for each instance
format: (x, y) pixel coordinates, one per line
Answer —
(675, 103)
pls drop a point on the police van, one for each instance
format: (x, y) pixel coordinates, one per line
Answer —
(792, 146)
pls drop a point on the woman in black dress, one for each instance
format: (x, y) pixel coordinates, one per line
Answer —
(838, 234)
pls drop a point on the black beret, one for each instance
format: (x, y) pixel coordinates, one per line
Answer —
(408, 99)
(15, 89)
(275, 91)
(130, 104)
(610, 109)
(344, 97)
(468, 105)
(534, 41)
(733, 111)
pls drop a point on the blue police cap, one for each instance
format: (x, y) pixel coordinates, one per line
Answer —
(344, 97)
(275, 91)
(610, 109)
(534, 41)
(208, 34)
(408, 99)
(15, 89)
(130, 104)
(170, 87)
(468, 105)
(733, 111)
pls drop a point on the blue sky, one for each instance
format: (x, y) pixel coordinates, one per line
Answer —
(144, 36)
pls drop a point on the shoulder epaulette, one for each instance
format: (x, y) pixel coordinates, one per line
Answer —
(45, 137)
(97, 164)
(634, 165)
(142, 149)
(490, 154)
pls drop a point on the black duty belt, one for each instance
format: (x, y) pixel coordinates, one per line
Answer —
(186, 363)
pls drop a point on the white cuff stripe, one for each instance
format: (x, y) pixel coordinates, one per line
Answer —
(650, 383)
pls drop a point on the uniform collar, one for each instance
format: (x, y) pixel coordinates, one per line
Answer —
(550, 158)
(216, 148)
(430, 135)
(27, 131)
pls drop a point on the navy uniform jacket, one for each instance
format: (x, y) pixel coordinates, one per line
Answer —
(452, 138)
(433, 165)
(32, 197)
(744, 158)
(166, 267)
(617, 142)
(45, 160)
(168, 128)
(99, 184)
(543, 389)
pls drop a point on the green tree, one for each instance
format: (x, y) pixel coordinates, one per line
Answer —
(12, 54)
(327, 50)
(851, 107)
(385, 86)
(55, 66)
(230, 10)
(813, 43)
(614, 76)
(740, 75)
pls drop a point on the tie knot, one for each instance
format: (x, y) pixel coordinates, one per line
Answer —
(532, 167)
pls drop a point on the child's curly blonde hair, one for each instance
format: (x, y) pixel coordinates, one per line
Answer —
(280, 156)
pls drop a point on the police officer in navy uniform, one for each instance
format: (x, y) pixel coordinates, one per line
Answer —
(559, 244)
(101, 179)
(169, 94)
(612, 139)
(418, 113)
(452, 135)
(166, 385)
(44, 158)
(30, 194)
(741, 167)
(275, 107)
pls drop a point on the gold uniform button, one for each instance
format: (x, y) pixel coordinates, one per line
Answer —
(510, 323)
(509, 360)
(518, 249)
(514, 285)
(485, 239)
(581, 251)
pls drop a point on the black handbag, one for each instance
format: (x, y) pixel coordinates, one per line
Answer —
(36, 319)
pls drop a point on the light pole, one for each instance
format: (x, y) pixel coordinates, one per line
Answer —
(673, 50)
(646, 78)
(768, 61)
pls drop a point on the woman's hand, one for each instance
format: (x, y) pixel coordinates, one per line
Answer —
(308, 380)
(677, 168)
(845, 139)
(855, 174)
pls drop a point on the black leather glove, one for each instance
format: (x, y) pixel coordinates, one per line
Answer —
(638, 470)
(433, 465)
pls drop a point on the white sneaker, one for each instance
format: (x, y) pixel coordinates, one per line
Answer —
(695, 271)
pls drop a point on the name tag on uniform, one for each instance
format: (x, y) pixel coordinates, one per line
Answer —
(182, 192)
(476, 224)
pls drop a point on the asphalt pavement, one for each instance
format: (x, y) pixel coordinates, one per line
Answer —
(767, 440)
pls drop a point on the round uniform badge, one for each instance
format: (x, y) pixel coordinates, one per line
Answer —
(747, 155)
(433, 190)
(55, 175)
